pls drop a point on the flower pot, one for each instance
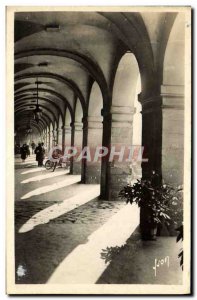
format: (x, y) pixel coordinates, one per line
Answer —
(153, 233)
(148, 230)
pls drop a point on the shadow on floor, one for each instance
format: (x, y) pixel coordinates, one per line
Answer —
(40, 251)
(133, 263)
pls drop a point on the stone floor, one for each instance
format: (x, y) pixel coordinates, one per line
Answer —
(63, 234)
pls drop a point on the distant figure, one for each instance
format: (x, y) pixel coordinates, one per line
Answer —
(24, 151)
(33, 146)
(40, 151)
(17, 149)
(42, 144)
(28, 151)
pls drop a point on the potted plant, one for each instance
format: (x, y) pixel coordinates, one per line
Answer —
(153, 198)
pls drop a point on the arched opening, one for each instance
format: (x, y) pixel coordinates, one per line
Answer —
(94, 138)
(137, 131)
(55, 134)
(68, 128)
(43, 136)
(126, 128)
(50, 136)
(174, 59)
(59, 132)
(78, 136)
(46, 142)
(172, 92)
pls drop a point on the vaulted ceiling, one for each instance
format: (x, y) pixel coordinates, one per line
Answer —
(68, 51)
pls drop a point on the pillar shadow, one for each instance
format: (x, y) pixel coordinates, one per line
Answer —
(39, 252)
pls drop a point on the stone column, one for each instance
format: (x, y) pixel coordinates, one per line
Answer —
(47, 142)
(45, 139)
(78, 136)
(84, 144)
(54, 140)
(152, 143)
(121, 140)
(172, 133)
(105, 165)
(67, 135)
(59, 137)
(68, 129)
(151, 134)
(63, 138)
(94, 139)
(50, 139)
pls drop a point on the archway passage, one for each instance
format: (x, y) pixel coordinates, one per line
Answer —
(172, 91)
(60, 133)
(51, 136)
(78, 137)
(94, 137)
(46, 139)
(106, 79)
(125, 128)
(68, 128)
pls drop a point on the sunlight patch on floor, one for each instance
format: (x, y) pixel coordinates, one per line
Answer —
(34, 170)
(45, 176)
(58, 209)
(31, 165)
(84, 264)
(57, 185)
(27, 160)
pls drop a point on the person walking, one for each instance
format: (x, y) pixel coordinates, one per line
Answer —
(40, 151)
(33, 146)
(28, 150)
(24, 152)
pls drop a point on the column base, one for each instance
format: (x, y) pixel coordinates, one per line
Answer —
(120, 176)
(93, 173)
(76, 168)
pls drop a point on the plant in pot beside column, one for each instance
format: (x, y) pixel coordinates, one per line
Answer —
(152, 197)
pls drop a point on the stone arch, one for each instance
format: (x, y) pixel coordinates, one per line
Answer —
(59, 131)
(55, 133)
(137, 118)
(45, 137)
(94, 134)
(173, 66)
(78, 135)
(126, 125)
(125, 82)
(172, 92)
(78, 111)
(90, 65)
(68, 123)
(51, 127)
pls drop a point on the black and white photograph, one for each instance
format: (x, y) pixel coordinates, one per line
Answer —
(99, 150)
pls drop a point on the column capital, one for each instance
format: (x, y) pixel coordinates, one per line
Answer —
(105, 112)
(78, 126)
(151, 104)
(85, 122)
(122, 116)
(67, 128)
(172, 96)
(126, 110)
(95, 122)
(59, 130)
(176, 91)
(106, 115)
